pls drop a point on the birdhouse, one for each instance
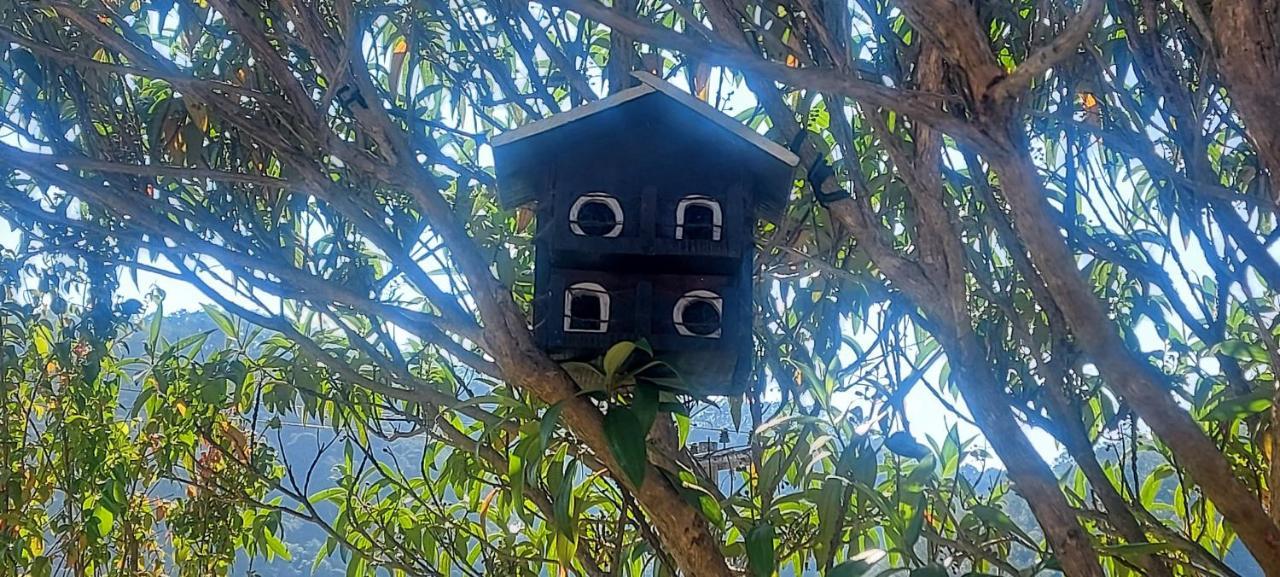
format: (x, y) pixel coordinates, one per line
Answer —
(647, 203)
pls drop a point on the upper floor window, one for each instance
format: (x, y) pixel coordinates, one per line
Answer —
(698, 313)
(698, 218)
(596, 214)
(586, 308)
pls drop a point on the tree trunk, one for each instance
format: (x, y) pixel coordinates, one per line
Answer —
(1247, 35)
(1071, 432)
(936, 284)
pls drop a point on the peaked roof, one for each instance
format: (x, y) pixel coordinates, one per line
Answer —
(648, 85)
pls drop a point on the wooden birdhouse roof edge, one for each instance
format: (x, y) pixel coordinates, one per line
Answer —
(650, 84)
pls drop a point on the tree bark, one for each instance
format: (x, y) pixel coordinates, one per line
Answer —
(1247, 35)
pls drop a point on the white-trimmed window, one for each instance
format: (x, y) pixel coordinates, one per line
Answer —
(586, 308)
(596, 214)
(698, 218)
(698, 314)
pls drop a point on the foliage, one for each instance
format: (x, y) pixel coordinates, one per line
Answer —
(1056, 219)
(94, 486)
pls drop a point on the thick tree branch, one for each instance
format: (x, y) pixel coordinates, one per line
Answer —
(1064, 44)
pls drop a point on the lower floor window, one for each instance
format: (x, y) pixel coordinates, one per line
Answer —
(698, 313)
(586, 308)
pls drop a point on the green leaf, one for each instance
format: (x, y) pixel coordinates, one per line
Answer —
(759, 542)
(617, 354)
(190, 344)
(830, 514)
(326, 549)
(356, 566)
(711, 509)
(221, 319)
(998, 519)
(41, 567)
(1242, 350)
(153, 335)
(214, 391)
(645, 405)
(929, 571)
(276, 547)
(516, 471)
(683, 425)
(916, 524)
(550, 418)
(140, 401)
(858, 565)
(587, 377)
(564, 502)
(1252, 403)
(330, 494)
(102, 520)
(627, 442)
(735, 411)
(696, 495)
(903, 444)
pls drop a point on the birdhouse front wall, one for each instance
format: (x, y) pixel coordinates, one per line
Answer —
(646, 215)
(664, 309)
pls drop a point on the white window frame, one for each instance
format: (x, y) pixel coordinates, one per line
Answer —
(677, 313)
(717, 216)
(608, 200)
(587, 288)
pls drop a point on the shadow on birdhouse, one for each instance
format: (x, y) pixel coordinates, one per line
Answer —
(647, 203)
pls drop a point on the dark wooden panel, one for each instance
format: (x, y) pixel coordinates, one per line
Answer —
(648, 153)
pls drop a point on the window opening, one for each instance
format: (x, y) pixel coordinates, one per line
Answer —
(586, 308)
(698, 314)
(698, 218)
(596, 214)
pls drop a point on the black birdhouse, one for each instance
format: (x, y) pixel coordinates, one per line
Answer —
(647, 203)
